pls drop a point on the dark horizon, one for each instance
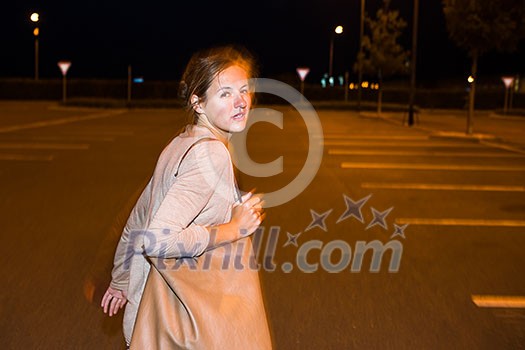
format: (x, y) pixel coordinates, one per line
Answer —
(102, 39)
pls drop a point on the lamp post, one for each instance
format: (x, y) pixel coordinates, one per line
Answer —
(35, 17)
(360, 55)
(413, 65)
(337, 30)
(129, 83)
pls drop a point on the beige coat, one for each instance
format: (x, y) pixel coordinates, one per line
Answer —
(195, 297)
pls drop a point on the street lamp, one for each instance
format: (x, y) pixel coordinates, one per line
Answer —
(412, 94)
(337, 30)
(360, 54)
(35, 17)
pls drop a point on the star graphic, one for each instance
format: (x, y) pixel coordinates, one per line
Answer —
(399, 230)
(292, 239)
(318, 220)
(353, 208)
(379, 218)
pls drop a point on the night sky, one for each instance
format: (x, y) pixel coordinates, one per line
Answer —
(102, 38)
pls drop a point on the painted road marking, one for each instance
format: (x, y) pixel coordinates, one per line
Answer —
(102, 132)
(400, 144)
(445, 187)
(40, 145)
(348, 152)
(62, 138)
(58, 121)
(499, 301)
(419, 166)
(24, 157)
(374, 137)
(505, 147)
(460, 222)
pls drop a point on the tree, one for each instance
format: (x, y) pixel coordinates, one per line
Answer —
(479, 26)
(382, 54)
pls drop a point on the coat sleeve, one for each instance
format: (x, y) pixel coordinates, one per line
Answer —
(172, 232)
(125, 248)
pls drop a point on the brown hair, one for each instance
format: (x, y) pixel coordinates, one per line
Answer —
(205, 65)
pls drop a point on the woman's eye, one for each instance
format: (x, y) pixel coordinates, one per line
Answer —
(225, 94)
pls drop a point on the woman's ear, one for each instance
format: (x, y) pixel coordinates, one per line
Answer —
(195, 104)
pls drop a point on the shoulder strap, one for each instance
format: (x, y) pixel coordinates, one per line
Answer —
(189, 148)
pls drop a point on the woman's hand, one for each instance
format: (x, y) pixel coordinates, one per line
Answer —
(249, 214)
(246, 218)
(113, 300)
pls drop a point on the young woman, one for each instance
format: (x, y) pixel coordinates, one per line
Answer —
(184, 266)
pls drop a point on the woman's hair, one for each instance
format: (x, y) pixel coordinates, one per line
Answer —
(205, 65)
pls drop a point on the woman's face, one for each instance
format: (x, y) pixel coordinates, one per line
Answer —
(228, 101)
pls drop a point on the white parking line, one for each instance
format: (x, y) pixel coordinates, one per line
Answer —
(25, 157)
(65, 138)
(58, 121)
(499, 301)
(460, 222)
(421, 166)
(101, 132)
(374, 137)
(399, 144)
(505, 147)
(41, 145)
(348, 152)
(445, 187)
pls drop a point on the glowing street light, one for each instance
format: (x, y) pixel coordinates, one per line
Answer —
(337, 30)
(35, 17)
